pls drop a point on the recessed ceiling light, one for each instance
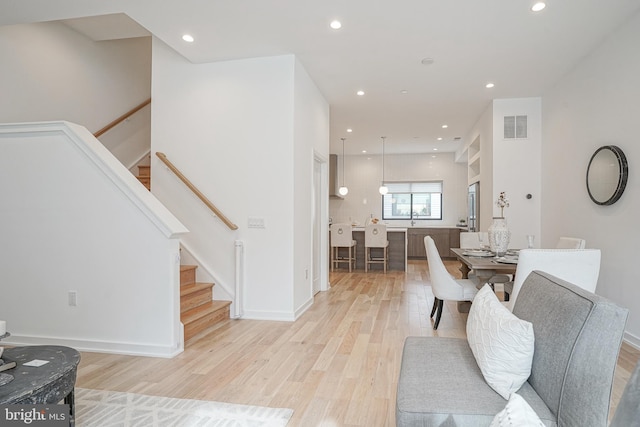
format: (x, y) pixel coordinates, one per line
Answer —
(360, 93)
(433, 156)
(349, 130)
(440, 139)
(404, 91)
(188, 38)
(445, 126)
(538, 6)
(364, 151)
(489, 85)
(435, 149)
(335, 24)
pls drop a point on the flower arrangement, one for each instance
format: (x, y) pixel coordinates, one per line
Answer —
(502, 202)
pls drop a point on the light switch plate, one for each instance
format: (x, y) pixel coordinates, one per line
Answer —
(256, 223)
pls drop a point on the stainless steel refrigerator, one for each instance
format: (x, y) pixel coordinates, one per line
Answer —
(473, 206)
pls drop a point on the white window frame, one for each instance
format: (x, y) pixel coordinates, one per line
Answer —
(411, 188)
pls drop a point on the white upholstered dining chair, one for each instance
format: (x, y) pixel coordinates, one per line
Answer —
(473, 239)
(445, 286)
(342, 237)
(375, 237)
(571, 243)
(578, 266)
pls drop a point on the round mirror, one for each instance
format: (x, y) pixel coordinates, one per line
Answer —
(607, 175)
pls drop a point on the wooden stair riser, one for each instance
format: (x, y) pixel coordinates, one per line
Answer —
(144, 170)
(197, 296)
(187, 274)
(208, 320)
(199, 313)
(144, 176)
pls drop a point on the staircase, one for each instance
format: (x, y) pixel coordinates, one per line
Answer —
(144, 176)
(199, 313)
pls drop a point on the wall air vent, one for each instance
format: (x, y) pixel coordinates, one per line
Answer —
(515, 127)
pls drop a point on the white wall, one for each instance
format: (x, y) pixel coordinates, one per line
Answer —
(594, 105)
(483, 130)
(130, 141)
(364, 174)
(311, 139)
(229, 126)
(74, 219)
(516, 169)
(51, 72)
(512, 166)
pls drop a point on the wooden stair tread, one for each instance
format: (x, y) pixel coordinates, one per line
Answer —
(199, 312)
(194, 287)
(203, 310)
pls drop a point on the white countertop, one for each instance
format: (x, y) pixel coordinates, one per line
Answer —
(389, 229)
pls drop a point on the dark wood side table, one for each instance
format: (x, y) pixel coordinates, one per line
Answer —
(48, 383)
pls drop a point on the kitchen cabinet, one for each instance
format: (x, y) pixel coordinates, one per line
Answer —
(444, 238)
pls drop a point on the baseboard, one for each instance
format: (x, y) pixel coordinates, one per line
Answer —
(632, 340)
(281, 316)
(99, 346)
(304, 307)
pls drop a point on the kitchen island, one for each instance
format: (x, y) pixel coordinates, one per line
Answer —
(408, 243)
(397, 238)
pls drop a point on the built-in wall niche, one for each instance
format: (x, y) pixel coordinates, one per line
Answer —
(473, 161)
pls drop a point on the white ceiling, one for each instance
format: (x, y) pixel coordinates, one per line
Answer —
(379, 50)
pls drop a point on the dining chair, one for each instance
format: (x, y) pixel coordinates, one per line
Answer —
(443, 284)
(571, 243)
(375, 237)
(473, 240)
(578, 266)
(342, 237)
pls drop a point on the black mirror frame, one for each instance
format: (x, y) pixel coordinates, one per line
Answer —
(622, 178)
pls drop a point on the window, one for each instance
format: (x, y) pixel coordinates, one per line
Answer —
(413, 200)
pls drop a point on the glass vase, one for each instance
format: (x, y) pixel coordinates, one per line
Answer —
(499, 236)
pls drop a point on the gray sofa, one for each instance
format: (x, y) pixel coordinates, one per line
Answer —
(577, 339)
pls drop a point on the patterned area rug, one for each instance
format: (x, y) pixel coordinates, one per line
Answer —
(98, 408)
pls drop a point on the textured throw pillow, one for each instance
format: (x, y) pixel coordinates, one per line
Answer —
(501, 343)
(517, 413)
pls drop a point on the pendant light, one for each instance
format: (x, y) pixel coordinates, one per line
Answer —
(383, 188)
(343, 190)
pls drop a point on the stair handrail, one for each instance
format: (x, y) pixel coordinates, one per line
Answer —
(195, 190)
(122, 118)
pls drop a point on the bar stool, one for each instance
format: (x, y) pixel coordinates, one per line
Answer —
(342, 237)
(375, 236)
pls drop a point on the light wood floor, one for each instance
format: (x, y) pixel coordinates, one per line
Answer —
(336, 366)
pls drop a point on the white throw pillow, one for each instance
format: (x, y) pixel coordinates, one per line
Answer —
(517, 413)
(501, 343)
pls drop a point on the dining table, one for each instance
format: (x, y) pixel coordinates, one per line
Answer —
(485, 263)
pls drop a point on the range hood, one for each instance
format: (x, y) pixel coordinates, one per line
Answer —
(333, 177)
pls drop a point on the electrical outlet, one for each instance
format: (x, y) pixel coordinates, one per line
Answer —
(73, 298)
